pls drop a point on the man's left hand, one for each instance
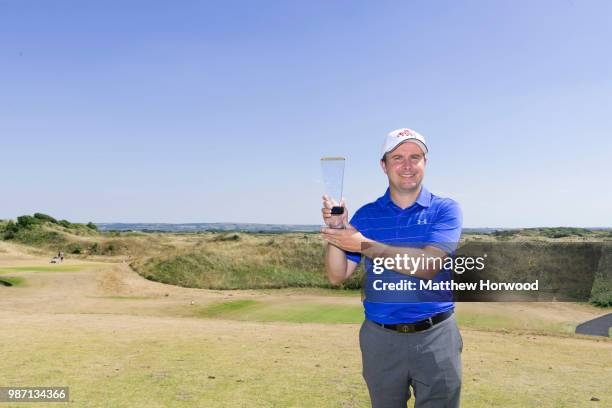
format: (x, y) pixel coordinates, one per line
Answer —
(347, 239)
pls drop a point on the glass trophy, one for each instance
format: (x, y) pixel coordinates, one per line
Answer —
(333, 177)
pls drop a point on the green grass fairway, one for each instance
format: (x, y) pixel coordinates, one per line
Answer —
(316, 312)
(295, 312)
(43, 268)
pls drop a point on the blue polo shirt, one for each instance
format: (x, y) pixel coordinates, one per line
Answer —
(429, 221)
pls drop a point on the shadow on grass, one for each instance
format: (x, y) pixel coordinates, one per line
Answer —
(12, 281)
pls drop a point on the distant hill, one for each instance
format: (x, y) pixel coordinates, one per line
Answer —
(202, 226)
(254, 227)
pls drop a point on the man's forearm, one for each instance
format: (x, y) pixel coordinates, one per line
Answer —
(425, 270)
(335, 264)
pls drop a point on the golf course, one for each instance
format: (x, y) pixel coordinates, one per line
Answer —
(203, 200)
(93, 323)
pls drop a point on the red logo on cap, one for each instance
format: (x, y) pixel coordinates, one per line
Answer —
(406, 132)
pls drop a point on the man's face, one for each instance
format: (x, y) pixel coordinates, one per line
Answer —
(405, 167)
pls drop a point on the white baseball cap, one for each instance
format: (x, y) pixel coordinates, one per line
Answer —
(399, 136)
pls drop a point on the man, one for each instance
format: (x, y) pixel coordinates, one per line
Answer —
(409, 337)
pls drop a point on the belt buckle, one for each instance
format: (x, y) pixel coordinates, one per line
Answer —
(405, 328)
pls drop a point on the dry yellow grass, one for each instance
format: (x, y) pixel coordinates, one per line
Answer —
(119, 340)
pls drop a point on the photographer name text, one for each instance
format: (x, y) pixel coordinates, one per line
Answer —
(481, 285)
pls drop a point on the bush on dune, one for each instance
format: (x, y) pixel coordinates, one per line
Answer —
(562, 232)
(27, 221)
(601, 293)
(40, 237)
(65, 223)
(41, 230)
(45, 217)
(10, 229)
(546, 232)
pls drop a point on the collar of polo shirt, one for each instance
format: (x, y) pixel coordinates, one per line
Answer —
(424, 198)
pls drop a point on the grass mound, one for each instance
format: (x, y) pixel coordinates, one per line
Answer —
(79, 240)
(246, 261)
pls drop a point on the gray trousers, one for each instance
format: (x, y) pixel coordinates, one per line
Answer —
(429, 361)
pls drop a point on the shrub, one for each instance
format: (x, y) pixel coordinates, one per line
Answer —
(11, 226)
(92, 226)
(10, 230)
(562, 232)
(603, 299)
(27, 221)
(226, 237)
(65, 223)
(93, 248)
(505, 234)
(45, 217)
(40, 237)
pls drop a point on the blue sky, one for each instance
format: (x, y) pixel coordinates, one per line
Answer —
(145, 111)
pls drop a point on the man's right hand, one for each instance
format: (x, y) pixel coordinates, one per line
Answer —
(334, 221)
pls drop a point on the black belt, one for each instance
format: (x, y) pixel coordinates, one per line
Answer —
(417, 326)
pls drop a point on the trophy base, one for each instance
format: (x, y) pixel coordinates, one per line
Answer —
(337, 210)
